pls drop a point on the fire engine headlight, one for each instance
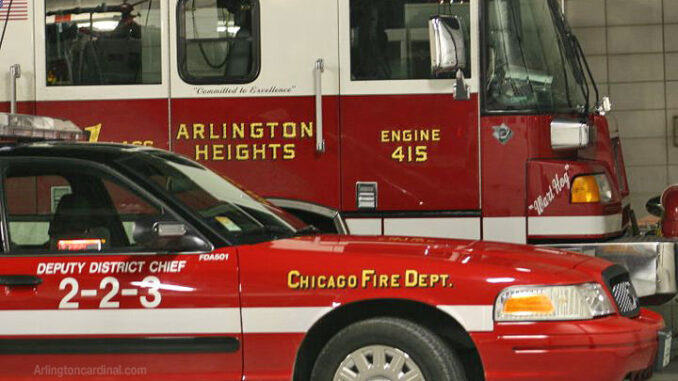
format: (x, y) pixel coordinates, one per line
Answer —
(539, 303)
(591, 189)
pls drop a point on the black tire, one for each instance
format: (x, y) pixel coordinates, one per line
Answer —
(436, 360)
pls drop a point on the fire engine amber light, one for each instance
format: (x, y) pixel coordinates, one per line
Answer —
(591, 189)
(585, 190)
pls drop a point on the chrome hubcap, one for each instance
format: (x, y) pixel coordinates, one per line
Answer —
(378, 363)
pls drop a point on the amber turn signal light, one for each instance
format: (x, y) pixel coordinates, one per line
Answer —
(585, 190)
(531, 304)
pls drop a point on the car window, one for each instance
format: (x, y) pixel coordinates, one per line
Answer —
(62, 208)
(112, 43)
(390, 38)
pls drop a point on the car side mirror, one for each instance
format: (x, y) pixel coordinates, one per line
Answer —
(448, 51)
(654, 206)
(157, 234)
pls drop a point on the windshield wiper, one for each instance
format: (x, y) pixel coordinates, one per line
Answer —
(307, 230)
(582, 58)
(279, 232)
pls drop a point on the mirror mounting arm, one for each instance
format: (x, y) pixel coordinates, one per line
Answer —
(461, 90)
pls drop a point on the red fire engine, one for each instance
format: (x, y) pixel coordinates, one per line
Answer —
(472, 119)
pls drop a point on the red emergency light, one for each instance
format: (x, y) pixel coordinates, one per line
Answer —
(80, 245)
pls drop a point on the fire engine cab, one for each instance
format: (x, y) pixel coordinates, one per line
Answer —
(474, 119)
(127, 261)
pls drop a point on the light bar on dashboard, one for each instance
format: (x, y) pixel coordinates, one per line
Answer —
(80, 245)
(18, 126)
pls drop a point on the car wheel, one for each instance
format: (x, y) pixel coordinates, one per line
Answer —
(387, 349)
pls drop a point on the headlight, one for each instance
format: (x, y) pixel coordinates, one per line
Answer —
(530, 303)
(591, 189)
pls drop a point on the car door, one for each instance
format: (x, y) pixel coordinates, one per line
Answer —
(90, 290)
(410, 150)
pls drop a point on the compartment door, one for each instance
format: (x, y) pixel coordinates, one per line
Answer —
(404, 136)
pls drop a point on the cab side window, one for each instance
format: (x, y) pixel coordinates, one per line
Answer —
(76, 210)
(390, 38)
(218, 41)
(117, 43)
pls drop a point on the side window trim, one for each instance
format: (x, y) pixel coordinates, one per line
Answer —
(182, 54)
(130, 185)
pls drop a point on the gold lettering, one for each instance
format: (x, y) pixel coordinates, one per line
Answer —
(238, 131)
(94, 132)
(213, 136)
(435, 135)
(274, 150)
(395, 136)
(198, 131)
(183, 132)
(411, 278)
(407, 135)
(352, 281)
(201, 153)
(321, 281)
(218, 152)
(366, 277)
(289, 130)
(289, 152)
(306, 130)
(241, 152)
(257, 152)
(293, 279)
(384, 136)
(271, 128)
(257, 130)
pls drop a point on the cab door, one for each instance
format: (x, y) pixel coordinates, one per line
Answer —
(410, 150)
(17, 62)
(104, 67)
(254, 94)
(88, 292)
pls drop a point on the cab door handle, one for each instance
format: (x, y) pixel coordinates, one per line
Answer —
(19, 280)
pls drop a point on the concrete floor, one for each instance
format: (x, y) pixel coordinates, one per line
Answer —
(669, 374)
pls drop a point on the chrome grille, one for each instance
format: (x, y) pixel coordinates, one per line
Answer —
(625, 297)
(619, 283)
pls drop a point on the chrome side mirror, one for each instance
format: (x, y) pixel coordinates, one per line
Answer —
(160, 234)
(448, 50)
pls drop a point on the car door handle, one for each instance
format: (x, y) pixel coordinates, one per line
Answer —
(19, 280)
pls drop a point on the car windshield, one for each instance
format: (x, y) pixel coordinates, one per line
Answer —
(237, 214)
(532, 64)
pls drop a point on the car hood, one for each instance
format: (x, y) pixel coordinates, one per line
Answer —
(480, 253)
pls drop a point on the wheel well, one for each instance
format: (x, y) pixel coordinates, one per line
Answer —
(428, 316)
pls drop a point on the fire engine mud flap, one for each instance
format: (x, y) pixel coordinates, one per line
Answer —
(651, 261)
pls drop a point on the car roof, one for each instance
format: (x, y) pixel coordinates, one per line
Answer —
(104, 153)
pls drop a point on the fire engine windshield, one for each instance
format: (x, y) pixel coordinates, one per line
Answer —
(531, 62)
(239, 215)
